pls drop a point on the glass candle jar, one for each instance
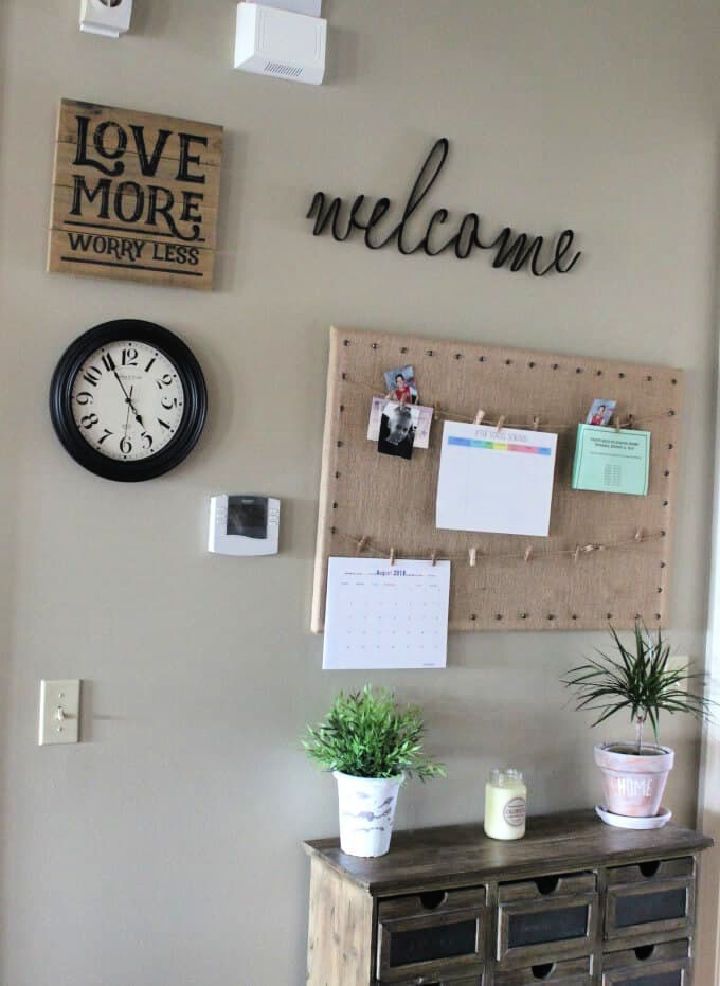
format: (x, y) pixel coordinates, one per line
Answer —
(505, 804)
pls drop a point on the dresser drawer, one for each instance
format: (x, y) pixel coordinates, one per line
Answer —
(658, 896)
(569, 972)
(549, 918)
(478, 980)
(433, 937)
(648, 965)
(653, 870)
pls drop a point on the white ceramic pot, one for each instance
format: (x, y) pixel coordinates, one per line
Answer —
(367, 812)
(634, 783)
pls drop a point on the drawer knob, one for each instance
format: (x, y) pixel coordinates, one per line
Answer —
(544, 970)
(644, 952)
(431, 900)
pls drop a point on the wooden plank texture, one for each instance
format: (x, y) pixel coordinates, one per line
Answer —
(135, 196)
(340, 931)
(70, 109)
(462, 855)
(391, 501)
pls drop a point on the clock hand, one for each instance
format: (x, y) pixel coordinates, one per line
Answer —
(127, 416)
(128, 399)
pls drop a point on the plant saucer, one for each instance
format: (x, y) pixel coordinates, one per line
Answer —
(629, 822)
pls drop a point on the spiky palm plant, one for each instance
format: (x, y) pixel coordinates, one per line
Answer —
(641, 681)
(367, 734)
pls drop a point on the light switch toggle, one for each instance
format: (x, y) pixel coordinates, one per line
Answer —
(59, 712)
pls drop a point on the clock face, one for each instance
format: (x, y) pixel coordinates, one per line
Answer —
(128, 400)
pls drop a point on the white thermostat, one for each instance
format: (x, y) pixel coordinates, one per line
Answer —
(244, 525)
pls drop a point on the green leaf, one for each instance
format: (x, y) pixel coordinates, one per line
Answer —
(367, 734)
(638, 679)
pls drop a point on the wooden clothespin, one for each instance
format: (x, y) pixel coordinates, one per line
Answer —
(392, 557)
(638, 535)
(528, 553)
(616, 422)
(433, 559)
(472, 560)
(500, 424)
(536, 422)
(478, 419)
(576, 552)
(362, 544)
(629, 422)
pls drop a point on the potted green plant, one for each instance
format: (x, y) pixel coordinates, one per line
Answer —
(370, 744)
(642, 681)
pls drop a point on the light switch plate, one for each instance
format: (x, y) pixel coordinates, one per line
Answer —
(59, 712)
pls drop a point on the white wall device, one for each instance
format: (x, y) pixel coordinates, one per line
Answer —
(313, 8)
(110, 18)
(279, 43)
(244, 525)
(59, 712)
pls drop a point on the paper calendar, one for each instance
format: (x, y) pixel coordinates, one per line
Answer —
(499, 482)
(386, 616)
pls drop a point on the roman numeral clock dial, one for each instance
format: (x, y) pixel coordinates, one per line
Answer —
(128, 400)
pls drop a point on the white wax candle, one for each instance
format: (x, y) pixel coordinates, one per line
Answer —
(505, 805)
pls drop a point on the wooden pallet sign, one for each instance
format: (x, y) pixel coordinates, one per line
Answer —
(135, 196)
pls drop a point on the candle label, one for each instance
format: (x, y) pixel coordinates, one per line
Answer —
(514, 812)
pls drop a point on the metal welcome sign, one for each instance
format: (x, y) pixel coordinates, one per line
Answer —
(514, 251)
(135, 196)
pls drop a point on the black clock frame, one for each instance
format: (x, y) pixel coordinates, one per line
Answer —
(195, 400)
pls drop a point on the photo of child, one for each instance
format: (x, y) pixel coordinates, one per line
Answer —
(601, 412)
(422, 420)
(397, 430)
(400, 385)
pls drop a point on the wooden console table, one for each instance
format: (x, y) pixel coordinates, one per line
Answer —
(574, 903)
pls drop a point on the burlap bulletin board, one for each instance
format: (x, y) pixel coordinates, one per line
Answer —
(607, 556)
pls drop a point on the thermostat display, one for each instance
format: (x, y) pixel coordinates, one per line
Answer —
(244, 525)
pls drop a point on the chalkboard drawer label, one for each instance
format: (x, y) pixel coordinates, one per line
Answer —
(652, 870)
(526, 929)
(431, 937)
(541, 887)
(667, 964)
(570, 972)
(667, 905)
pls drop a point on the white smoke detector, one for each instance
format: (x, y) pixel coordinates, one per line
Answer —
(280, 43)
(109, 18)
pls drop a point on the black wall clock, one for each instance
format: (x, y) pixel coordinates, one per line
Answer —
(128, 400)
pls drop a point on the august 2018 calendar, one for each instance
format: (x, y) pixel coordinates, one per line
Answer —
(380, 615)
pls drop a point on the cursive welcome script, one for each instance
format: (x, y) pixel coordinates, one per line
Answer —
(511, 250)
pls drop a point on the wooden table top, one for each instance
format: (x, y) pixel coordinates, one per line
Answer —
(460, 855)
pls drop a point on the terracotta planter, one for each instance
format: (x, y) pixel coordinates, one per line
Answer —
(634, 783)
(367, 812)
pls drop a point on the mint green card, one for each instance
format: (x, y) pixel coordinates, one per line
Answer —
(610, 461)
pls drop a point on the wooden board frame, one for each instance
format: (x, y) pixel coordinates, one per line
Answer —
(135, 196)
(607, 558)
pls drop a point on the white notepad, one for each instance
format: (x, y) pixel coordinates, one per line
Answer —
(383, 616)
(495, 482)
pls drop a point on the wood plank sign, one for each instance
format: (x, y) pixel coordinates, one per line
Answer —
(135, 196)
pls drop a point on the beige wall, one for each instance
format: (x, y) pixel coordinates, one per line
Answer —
(166, 848)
